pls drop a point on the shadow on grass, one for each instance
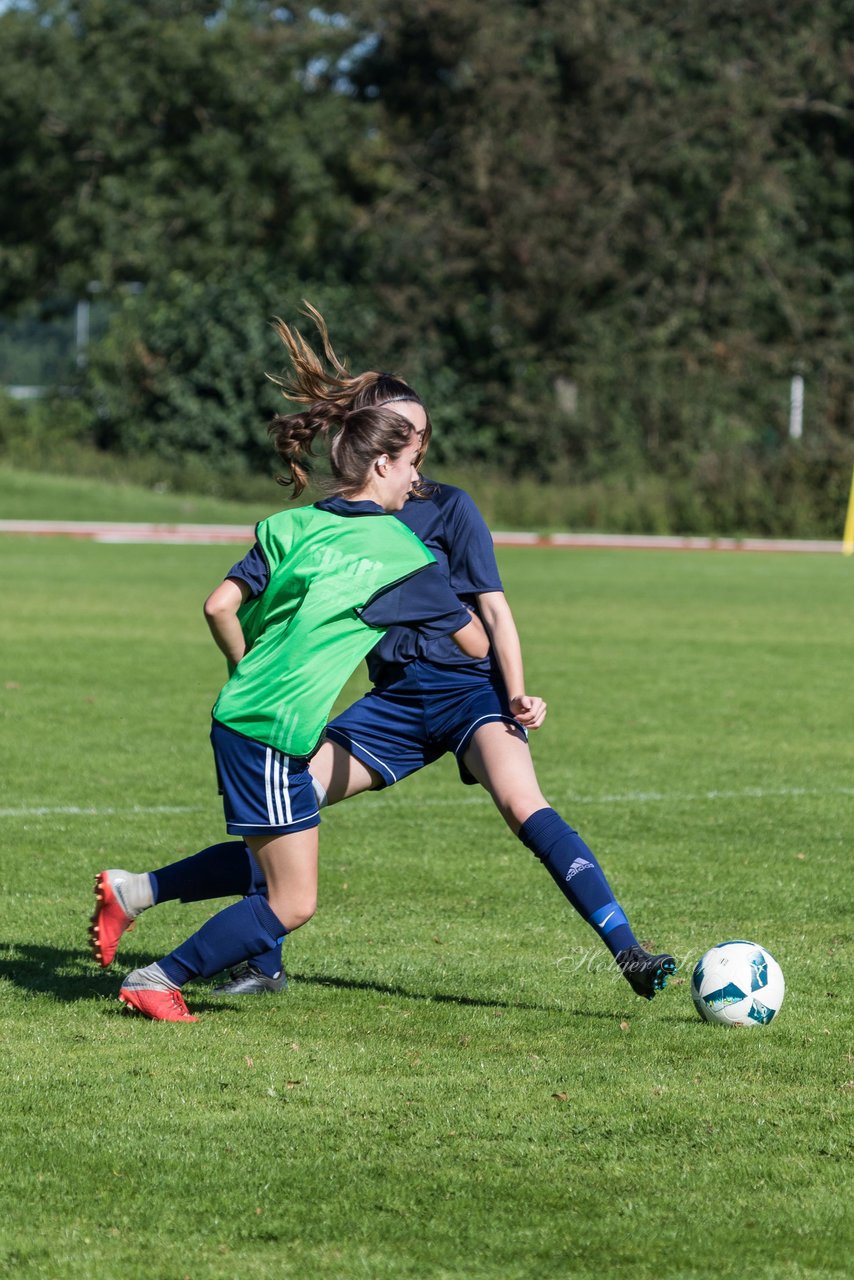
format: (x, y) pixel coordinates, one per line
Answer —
(404, 993)
(69, 976)
(439, 997)
(56, 971)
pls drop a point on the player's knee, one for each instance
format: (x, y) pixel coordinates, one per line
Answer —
(293, 909)
(516, 809)
(301, 910)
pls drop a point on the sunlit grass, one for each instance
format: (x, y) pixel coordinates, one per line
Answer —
(456, 1085)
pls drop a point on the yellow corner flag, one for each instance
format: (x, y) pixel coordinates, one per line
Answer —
(848, 536)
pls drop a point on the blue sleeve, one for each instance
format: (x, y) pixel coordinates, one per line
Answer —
(471, 554)
(253, 570)
(424, 601)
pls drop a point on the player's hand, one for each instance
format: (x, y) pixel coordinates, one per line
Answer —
(528, 711)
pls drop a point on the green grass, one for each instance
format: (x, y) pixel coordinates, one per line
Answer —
(31, 495)
(456, 1086)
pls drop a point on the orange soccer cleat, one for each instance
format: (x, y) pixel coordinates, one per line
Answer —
(110, 919)
(163, 1004)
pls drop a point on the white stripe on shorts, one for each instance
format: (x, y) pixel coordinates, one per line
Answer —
(277, 797)
(276, 786)
(268, 760)
(271, 784)
(497, 717)
(286, 795)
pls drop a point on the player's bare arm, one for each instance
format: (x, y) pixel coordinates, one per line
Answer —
(472, 639)
(497, 615)
(221, 609)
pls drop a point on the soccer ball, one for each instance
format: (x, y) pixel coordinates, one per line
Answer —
(739, 984)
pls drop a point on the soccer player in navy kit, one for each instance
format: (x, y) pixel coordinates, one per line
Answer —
(338, 574)
(427, 700)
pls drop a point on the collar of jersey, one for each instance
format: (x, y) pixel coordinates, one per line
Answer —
(345, 507)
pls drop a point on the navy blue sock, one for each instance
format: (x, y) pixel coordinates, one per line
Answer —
(575, 870)
(269, 962)
(239, 932)
(221, 871)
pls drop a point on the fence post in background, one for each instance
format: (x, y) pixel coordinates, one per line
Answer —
(83, 313)
(796, 407)
(81, 330)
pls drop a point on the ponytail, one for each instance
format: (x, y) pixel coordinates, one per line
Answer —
(354, 415)
(293, 436)
(310, 382)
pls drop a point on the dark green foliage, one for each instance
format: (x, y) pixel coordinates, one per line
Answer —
(181, 373)
(165, 137)
(599, 237)
(630, 198)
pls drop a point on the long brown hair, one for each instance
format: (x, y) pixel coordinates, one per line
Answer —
(353, 414)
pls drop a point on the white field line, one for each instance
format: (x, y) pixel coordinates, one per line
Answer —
(94, 811)
(208, 534)
(430, 802)
(634, 797)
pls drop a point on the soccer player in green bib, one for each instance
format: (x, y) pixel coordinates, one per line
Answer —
(338, 574)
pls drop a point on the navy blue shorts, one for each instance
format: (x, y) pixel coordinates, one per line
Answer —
(406, 725)
(264, 792)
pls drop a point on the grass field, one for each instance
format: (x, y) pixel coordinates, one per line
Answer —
(456, 1085)
(29, 495)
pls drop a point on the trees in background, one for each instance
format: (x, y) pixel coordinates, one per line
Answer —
(631, 198)
(144, 138)
(601, 235)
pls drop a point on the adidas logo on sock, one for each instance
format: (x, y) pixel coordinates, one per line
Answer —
(580, 864)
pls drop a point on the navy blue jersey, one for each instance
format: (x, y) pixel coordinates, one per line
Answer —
(450, 525)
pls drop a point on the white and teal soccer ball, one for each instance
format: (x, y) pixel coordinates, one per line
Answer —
(739, 984)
